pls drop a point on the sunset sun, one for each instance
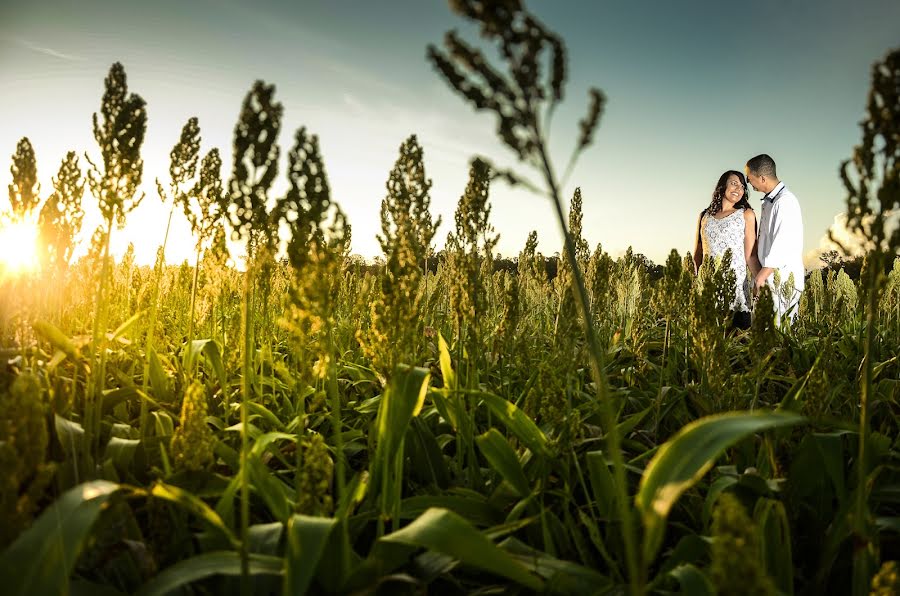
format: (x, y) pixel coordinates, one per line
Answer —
(18, 247)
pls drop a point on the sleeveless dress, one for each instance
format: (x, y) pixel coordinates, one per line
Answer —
(718, 235)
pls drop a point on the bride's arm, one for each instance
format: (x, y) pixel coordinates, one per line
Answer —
(698, 247)
(750, 242)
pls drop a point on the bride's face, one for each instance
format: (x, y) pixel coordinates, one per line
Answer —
(734, 190)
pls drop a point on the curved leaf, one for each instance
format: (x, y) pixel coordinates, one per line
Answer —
(503, 459)
(42, 558)
(447, 533)
(206, 565)
(517, 422)
(685, 458)
(306, 540)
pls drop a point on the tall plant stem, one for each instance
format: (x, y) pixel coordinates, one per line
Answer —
(600, 380)
(190, 335)
(245, 444)
(98, 343)
(151, 325)
(339, 466)
(862, 571)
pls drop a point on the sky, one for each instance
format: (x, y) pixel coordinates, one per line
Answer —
(694, 88)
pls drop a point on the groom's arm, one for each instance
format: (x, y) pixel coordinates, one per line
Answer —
(786, 229)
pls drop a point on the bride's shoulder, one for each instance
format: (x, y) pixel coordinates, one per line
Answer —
(749, 216)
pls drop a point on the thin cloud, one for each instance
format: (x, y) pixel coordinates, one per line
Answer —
(47, 51)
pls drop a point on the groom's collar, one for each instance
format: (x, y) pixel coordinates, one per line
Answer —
(773, 194)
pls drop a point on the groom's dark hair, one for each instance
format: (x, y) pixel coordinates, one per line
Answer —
(762, 165)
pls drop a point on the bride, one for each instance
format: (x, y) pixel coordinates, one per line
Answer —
(729, 222)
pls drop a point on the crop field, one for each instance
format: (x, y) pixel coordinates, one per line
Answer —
(290, 420)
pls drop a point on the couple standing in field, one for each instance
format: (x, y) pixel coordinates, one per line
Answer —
(760, 251)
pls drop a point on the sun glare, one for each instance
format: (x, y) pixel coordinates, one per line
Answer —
(18, 248)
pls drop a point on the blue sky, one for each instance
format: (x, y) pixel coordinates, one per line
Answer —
(694, 88)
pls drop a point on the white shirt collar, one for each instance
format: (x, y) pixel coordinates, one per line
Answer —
(769, 195)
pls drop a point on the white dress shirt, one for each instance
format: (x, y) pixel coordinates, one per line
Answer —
(780, 242)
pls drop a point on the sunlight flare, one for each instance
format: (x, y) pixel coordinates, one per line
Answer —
(18, 248)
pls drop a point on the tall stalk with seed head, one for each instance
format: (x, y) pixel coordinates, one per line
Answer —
(872, 180)
(316, 252)
(182, 167)
(201, 208)
(516, 98)
(255, 168)
(114, 181)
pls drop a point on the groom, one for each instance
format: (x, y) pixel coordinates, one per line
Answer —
(780, 241)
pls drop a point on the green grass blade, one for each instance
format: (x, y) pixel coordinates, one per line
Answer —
(42, 558)
(692, 581)
(503, 459)
(195, 506)
(447, 533)
(306, 540)
(206, 565)
(517, 422)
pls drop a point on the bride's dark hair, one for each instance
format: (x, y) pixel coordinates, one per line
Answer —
(716, 204)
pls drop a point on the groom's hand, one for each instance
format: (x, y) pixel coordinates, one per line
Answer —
(760, 280)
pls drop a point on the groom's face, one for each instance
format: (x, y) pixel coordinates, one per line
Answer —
(757, 182)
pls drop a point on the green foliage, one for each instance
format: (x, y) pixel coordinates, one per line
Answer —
(23, 453)
(191, 447)
(372, 456)
(736, 565)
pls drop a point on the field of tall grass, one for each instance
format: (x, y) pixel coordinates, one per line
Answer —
(307, 423)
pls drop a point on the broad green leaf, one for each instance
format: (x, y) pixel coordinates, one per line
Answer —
(206, 565)
(427, 460)
(265, 539)
(266, 414)
(602, 484)
(262, 442)
(163, 424)
(203, 484)
(401, 401)
(563, 577)
(124, 327)
(70, 434)
(57, 339)
(684, 459)
(195, 506)
(771, 518)
(693, 582)
(121, 452)
(830, 448)
(159, 381)
(114, 397)
(271, 490)
(447, 533)
(517, 422)
(210, 349)
(475, 508)
(42, 558)
(446, 364)
(306, 540)
(503, 459)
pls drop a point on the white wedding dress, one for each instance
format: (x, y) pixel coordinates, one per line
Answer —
(718, 235)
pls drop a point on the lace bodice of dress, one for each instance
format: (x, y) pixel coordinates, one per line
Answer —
(718, 236)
